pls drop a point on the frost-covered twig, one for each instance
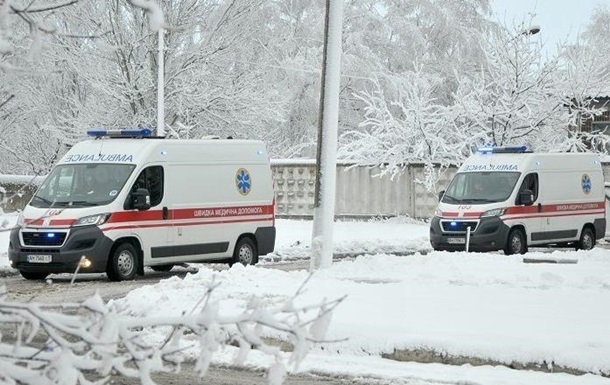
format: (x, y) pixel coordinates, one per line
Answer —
(67, 344)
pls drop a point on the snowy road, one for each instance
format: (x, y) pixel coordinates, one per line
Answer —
(59, 288)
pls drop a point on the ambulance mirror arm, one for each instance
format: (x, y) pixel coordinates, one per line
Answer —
(440, 195)
(140, 199)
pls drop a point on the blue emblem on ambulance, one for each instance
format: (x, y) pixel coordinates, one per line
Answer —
(585, 182)
(243, 181)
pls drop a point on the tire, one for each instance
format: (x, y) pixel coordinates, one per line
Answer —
(516, 243)
(245, 252)
(587, 239)
(162, 268)
(33, 276)
(122, 265)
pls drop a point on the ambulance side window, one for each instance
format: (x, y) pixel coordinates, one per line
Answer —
(151, 178)
(530, 182)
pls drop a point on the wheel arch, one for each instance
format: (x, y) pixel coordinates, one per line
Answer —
(247, 235)
(521, 227)
(591, 226)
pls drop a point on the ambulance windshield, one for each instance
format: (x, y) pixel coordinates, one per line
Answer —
(480, 187)
(82, 185)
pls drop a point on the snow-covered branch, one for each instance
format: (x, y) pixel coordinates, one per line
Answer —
(79, 343)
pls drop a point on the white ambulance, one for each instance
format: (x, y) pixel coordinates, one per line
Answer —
(507, 198)
(125, 200)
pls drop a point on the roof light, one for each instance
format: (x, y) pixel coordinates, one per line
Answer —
(503, 150)
(126, 133)
(485, 150)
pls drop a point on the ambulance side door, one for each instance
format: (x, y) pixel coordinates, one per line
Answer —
(532, 213)
(154, 229)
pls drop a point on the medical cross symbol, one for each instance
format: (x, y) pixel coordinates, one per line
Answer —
(586, 184)
(243, 181)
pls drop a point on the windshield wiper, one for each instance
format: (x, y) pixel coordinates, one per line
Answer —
(477, 200)
(451, 198)
(43, 200)
(80, 203)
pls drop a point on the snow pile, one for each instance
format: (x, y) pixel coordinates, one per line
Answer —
(474, 305)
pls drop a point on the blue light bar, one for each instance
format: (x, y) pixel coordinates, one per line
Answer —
(503, 150)
(50, 235)
(127, 133)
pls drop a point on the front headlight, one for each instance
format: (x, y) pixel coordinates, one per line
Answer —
(98, 219)
(438, 213)
(493, 213)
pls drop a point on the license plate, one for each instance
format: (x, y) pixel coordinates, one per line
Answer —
(36, 258)
(456, 241)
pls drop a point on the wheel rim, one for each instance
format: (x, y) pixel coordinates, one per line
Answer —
(125, 263)
(245, 255)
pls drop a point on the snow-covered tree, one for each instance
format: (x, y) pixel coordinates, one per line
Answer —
(586, 81)
(401, 126)
(513, 98)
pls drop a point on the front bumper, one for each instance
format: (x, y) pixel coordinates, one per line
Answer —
(490, 234)
(88, 241)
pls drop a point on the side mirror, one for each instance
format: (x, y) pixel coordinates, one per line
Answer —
(526, 197)
(140, 199)
(440, 195)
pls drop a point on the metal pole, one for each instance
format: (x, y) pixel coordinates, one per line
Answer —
(467, 238)
(161, 86)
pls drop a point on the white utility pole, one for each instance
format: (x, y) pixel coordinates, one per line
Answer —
(161, 86)
(326, 159)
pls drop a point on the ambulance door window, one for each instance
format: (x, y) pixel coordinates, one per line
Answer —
(151, 178)
(530, 182)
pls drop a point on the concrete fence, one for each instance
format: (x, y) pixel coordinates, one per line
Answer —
(361, 192)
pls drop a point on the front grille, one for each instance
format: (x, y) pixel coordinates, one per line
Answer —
(43, 238)
(457, 226)
(39, 250)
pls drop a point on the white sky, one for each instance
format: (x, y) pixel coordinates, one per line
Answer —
(558, 19)
(484, 305)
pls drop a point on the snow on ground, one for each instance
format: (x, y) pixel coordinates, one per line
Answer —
(483, 305)
(397, 236)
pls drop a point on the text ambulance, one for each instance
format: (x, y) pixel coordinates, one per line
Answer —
(124, 201)
(507, 198)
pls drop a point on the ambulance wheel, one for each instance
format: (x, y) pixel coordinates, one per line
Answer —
(122, 263)
(163, 268)
(587, 239)
(245, 252)
(516, 243)
(33, 276)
